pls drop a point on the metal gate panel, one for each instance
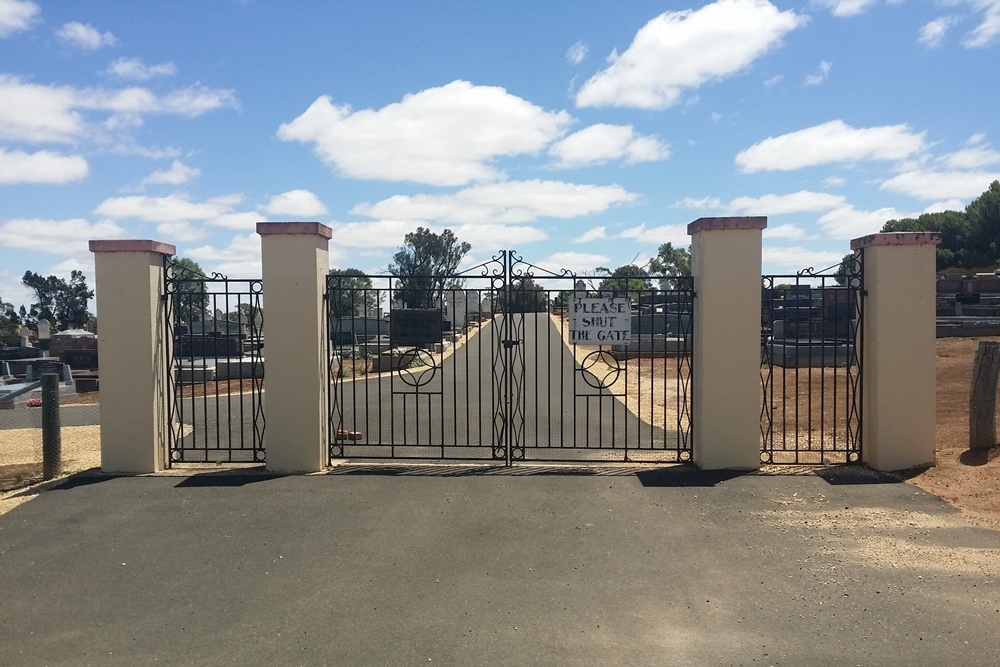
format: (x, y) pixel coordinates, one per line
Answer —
(811, 365)
(215, 367)
(508, 386)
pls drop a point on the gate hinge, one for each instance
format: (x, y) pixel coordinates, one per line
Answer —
(507, 344)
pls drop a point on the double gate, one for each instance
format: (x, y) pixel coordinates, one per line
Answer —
(479, 366)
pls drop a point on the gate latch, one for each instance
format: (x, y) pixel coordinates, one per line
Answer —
(507, 344)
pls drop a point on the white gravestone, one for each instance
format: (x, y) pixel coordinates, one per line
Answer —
(24, 333)
(44, 329)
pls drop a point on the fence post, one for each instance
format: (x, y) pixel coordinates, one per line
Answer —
(898, 345)
(295, 259)
(725, 264)
(51, 432)
(134, 352)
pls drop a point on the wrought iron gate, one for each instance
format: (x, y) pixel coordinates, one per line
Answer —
(811, 365)
(479, 366)
(215, 367)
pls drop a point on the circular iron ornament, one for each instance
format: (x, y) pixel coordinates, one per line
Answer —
(685, 456)
(854, 457)
(765, 456)
(598, 371)
(259, 455)
(176, 455)
(419, 370)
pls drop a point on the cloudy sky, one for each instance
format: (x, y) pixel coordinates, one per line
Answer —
(581, 133)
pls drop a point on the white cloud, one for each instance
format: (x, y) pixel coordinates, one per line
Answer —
(178, 174)
(797, 202)
(821, 74)
(41, 167)
(844, 8)
(932, 34)
(59, 237)
(84, 36)
(787, 231)
(173, 208)
(684, 50)
(988, 28)
(593, 234)
(242, 220)
(834, 181)
(947, 205)
(601, 143)
(575, 262)
(929, 184)
(773, 81)
(830, 143)
(440, 136)
(791, 259)
(300, 203)
(240, 259)
(32, 112)
(976, 154)
(703, 204)
(377, 234)
(576, 53)
(493, 237)
(850, 223)
(676, 234)
(134, 69)
(16, 16)
(509, 202)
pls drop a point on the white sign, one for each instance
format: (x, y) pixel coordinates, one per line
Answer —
(601, 321)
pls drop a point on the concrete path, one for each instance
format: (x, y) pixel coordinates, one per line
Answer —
(521, 566)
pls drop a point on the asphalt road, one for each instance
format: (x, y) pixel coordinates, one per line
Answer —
(487, 566)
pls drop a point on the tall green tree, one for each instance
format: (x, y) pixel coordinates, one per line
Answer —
(970, 239)
(191, 297)
(671, 261)
(668, 263)
(425, 265)
(61, 302)
(351, 294)
(9, 319)
(525, 296)
(628, 280)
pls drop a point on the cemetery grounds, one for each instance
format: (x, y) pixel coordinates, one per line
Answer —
(970, 481)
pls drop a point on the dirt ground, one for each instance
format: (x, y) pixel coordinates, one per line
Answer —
(968, 480)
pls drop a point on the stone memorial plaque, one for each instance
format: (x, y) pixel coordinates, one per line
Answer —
(415, 326)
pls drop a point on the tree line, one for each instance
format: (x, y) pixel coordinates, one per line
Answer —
(970, 239)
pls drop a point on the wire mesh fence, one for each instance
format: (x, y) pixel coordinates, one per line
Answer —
(21, 439)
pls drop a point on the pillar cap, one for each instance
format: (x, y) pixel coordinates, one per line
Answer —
(896, 238)
(735, 222)
(133, 245)
(295, 228)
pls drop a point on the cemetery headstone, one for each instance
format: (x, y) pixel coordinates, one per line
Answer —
(44, 329)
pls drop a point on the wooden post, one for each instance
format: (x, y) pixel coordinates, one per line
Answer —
(983, 396)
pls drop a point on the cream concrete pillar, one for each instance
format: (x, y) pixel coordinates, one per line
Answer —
(898, 348)
(725, 263)
(134, 351)
(296, 260)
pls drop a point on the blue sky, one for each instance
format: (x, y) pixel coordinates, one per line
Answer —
(582, 133)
